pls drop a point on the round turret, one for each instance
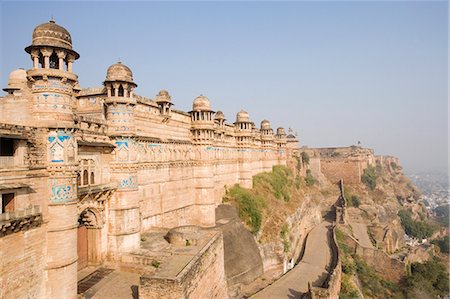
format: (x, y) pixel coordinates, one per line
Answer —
(280, 131)
(242, 116)
(52, 35)
(17, 80)
(163, 96)
(201, 103)
(265, 125)
(119, 72)
(219, 115)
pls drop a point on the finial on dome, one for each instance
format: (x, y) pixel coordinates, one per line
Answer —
(52, 20)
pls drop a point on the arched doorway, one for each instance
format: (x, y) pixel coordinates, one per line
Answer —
(88, 239)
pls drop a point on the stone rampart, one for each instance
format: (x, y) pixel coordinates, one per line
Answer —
(335, 169)
(203, 277)
(332, 285)
(389, 268)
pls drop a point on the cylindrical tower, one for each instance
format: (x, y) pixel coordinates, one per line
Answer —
(202, 128)
(202, 121)
(280, 140)
(52, 82)
(243, 128)
(52, 75)
(163, 100)
(119, 101)
(124, 219)
(244, 135)
(219, 120)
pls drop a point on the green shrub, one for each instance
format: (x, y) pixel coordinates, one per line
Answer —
(372, 285)
(299, 163)
(305, 158)
(249, 206)
(309, 179)
(354, 201)
(416, 229)
(348, 265)
(348, 290)
(394, 165)
(156, 263)
(369, 177)
(442, 244)
(284, 231)
(430, 277)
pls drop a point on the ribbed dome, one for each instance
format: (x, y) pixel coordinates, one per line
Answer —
(119, 72)
(17, 79)
(242, 116)
(163, 96)
(219, 115)
(201, 103)
(53, 35)
(265, 124)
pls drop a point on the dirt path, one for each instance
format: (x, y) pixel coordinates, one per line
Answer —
(312, 268)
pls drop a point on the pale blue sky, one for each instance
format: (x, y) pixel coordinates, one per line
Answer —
(336, 72)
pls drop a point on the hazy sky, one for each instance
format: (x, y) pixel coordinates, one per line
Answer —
(336, 72)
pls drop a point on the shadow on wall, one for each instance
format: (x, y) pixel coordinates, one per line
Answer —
(243, 263)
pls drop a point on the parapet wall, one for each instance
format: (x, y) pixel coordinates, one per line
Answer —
(203, 277)
(389, 268)
(332, 285)
(335, 169)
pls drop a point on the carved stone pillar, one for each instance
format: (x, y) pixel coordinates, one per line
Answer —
(35, 57)
(116, 89)
(70, 60)
(61, 55)
(46, 53)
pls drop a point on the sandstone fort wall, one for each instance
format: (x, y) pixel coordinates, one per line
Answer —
(203, 277)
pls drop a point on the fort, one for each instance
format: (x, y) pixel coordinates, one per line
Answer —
(104, 176)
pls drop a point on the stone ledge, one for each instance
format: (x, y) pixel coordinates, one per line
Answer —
(20, 220)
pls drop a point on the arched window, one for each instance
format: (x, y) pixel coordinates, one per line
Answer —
(120, 91)
(85, 177)
(54, 61)
(78, 179)
(92, 178)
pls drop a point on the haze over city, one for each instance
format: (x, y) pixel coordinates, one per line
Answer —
(335, 72)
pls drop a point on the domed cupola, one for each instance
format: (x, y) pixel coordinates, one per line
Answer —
(51, 47)
(119, 81)
(120, 101)
(243, 127)
(266, 133)
(280, 137)
(51, 78)
(202, 120)
(163, 100)
(119, 72)
(219, 118)
(17, 80)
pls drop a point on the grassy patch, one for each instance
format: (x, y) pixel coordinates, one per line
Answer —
(348, 288)
(309, 179)
(249, 206)
(279, 181)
